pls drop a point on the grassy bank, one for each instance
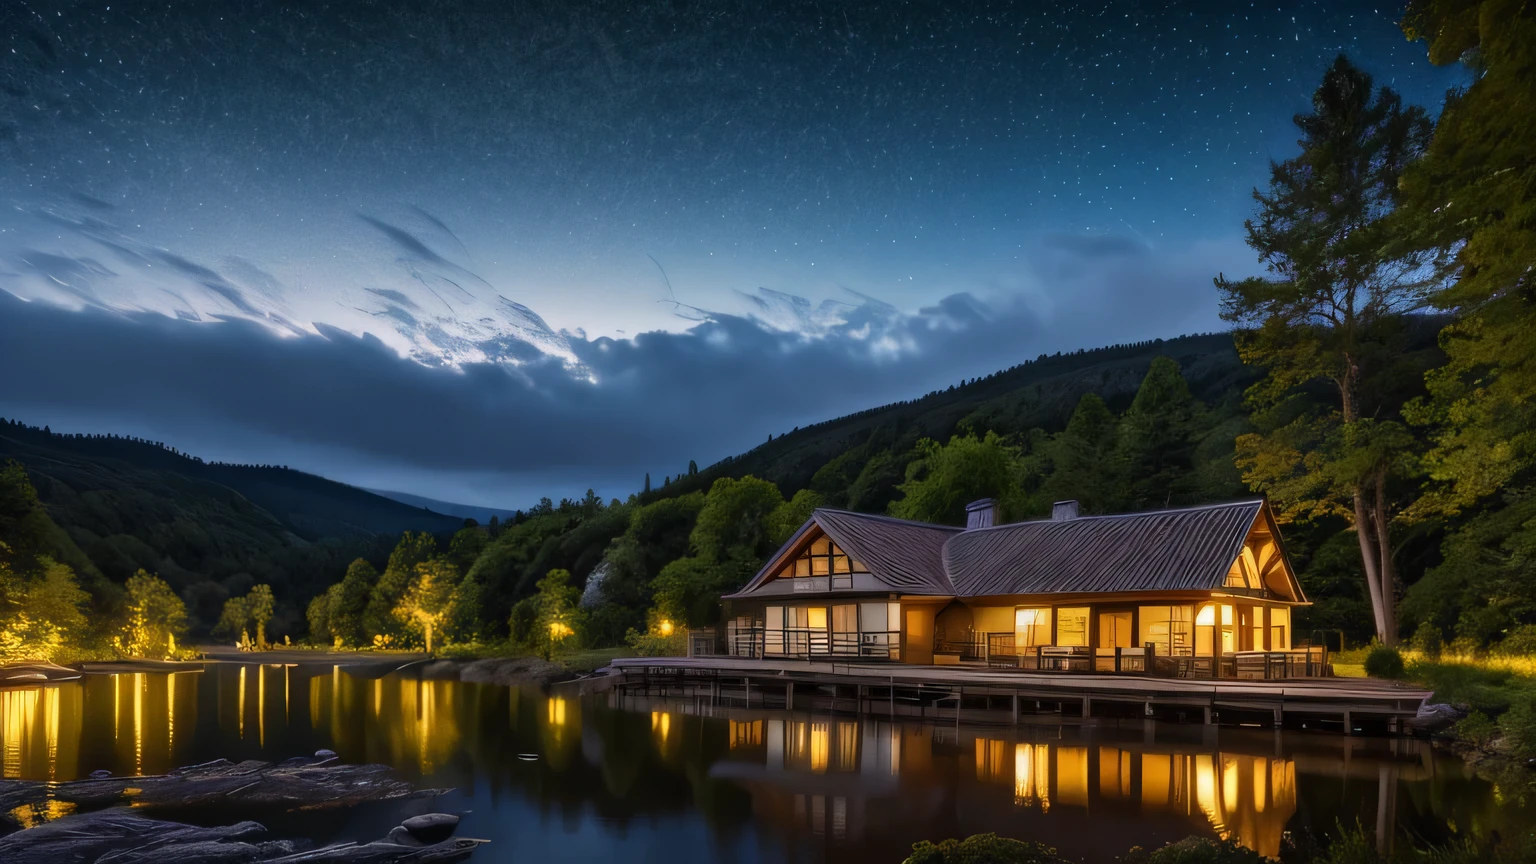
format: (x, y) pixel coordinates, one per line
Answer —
(1498, 692)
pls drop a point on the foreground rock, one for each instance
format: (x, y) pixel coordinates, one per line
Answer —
(120, 836)
(302, 783)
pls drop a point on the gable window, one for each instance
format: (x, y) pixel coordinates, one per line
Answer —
(821, 558)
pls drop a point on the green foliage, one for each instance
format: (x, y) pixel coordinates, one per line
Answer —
(1084, 463)
(428, 602)
(983, 849)
(351, 603)
(1477, 729)
(557, 620)
(1427, 640)
(155, 619)
(466, 546)
(1483, 587)
(1518, 724)
(379, 614)
(1474, 195)
(321, 616)
(1328, 323)
(787, 518)
(1196, 850)
(1155, 456)
(1384, 661)
(943, 479)
(734, 522)
(41, 618)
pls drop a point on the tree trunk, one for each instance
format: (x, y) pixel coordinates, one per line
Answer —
(1369, 558)
(1386, 571)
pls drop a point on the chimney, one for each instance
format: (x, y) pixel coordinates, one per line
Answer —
(1061, 511)
(980, 514)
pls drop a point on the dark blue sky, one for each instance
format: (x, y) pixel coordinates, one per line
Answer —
(234, 219)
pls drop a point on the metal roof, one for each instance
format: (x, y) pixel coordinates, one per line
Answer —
(908, 556)
(1188, 549)
(1183, 549)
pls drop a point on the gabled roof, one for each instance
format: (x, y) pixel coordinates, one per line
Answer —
(904, 556)
(908, 556)
(1188, 549)
(1183, 549)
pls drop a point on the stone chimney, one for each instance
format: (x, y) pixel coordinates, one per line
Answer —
(980, 514)
(1061, 511)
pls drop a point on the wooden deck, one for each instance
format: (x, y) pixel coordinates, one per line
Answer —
(1341, 704)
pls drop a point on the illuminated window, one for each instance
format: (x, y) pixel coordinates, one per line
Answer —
(1167, 627)
(1279, 628)
(1072, 626)
(822, 558)
(1031, 627)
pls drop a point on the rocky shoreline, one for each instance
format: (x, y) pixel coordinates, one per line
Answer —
(88, 820)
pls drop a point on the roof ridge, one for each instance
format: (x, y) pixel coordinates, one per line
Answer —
(892, 519)
(1047, 520)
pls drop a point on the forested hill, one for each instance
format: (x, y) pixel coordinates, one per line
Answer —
(209, 529)
(1038, 394)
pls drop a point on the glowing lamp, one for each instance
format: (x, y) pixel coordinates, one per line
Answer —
(665, 627)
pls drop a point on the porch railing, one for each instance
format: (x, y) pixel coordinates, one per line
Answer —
(805, 642)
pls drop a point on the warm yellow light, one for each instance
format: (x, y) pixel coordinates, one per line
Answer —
(665, 627)
(557, 712)
(559, 630)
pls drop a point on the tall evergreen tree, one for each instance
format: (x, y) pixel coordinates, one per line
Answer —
(1083, 463)
(1325, 316)
(1155, 456)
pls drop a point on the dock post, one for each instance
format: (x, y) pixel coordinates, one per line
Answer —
(1087, 707)
(1279, 716)
(893, 697)
(1349, 725)
(746, 685)
(1015, 709)
(789, 696)
(1208, 714)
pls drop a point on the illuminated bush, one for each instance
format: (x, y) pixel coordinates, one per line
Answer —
(155, 619)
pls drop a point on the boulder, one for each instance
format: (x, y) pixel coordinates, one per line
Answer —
(431, 827)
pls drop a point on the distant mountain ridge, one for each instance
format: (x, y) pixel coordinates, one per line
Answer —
(466, 511)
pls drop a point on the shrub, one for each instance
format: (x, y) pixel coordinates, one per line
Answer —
(1476, 729)
(1520, 642)
(1384, 662)
(1519, 724)
(1426, 640)
(985, 849)
(1196, 850)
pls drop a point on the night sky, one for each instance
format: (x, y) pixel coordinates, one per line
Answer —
(486, 252)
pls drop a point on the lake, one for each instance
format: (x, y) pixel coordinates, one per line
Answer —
(657, 781)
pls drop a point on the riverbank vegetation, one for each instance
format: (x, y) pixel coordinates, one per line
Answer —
(1348, 845)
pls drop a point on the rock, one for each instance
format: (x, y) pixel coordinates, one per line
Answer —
(401, 837)
(592, 595)
(325, 754)
(440, 670)
(431, 827)
(295, 784)
(100, 773)
(513, 671)
(1436, 717)
(124, 837)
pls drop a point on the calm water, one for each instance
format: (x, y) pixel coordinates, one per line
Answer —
(659, 782)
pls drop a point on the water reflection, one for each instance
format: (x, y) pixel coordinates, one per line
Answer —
(745, 785)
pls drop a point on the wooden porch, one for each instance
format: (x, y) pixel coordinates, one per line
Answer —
(978, 693)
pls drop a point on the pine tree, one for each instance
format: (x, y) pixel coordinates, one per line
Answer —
(1326, 316)
(1156, 448)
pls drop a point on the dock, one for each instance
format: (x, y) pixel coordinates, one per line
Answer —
(982, 695)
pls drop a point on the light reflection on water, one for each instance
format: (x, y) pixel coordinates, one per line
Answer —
(742, 784)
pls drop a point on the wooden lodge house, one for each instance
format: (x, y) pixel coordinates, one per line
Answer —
(1201, 592)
